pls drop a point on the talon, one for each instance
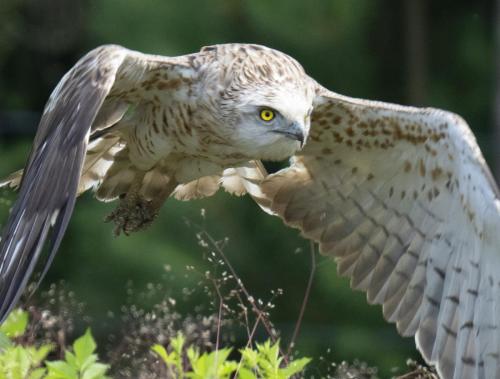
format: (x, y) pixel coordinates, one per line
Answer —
(132, 214)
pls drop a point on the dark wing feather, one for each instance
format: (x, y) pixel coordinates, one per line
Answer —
(50, 181)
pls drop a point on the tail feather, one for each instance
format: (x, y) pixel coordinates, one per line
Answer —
(99, 158)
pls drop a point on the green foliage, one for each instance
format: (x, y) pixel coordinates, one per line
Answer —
(181, 361)
(18, 362)
(30, 362)
(80, 364)
(15, 325)
(265, 361)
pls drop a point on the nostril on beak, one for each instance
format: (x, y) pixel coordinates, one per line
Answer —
(293, 131)
(297, 131)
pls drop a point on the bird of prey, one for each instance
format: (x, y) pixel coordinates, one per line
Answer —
(400, 197)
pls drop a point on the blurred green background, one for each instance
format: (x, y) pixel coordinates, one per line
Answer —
(419, 52)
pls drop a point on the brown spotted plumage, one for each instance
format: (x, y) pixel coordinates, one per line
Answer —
(400, 197)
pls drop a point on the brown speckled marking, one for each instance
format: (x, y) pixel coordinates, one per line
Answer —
(421, 167)
(436, 173)
(407, 166)
(405, 149)
(338, 138)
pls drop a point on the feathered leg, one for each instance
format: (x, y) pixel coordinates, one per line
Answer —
(135, 212)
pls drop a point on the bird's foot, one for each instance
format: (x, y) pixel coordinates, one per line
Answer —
(133, 213)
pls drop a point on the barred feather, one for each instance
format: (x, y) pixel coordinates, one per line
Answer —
(403, 200)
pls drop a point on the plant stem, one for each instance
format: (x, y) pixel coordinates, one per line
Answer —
(306, 297)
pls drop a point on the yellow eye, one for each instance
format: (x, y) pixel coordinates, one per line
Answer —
(267, 114)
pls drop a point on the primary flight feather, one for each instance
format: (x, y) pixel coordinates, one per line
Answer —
(401, 197)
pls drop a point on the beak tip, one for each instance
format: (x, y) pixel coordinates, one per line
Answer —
(301, 139)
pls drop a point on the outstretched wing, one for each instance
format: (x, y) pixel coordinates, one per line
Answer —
(402, 199)
(47, 193)
(91, 95)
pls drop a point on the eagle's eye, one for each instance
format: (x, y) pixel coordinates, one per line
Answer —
(267, 114)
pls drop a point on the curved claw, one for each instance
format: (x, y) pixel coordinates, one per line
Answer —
(132, 214)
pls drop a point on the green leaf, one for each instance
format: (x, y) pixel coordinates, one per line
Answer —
(161, 352)
(177, 343)
(268, 358)
(38, 355)
(226, 368)
(192, 353)
(84, 347)
(70, 358)
(245, 373)
(271, 352)
(19, 362)
(295, 367)
(61, 370)
(95, 371)
(15, 325)
(5, 341)
(213, 365)
(91, 359)
(250, 357)
(200, 367)
(38, 373)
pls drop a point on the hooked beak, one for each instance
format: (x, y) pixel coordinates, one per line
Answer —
(294, 131)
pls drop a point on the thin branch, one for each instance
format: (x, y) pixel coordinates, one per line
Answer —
(256, 309)
(219, 316)
(245, 313)
(249, 343)
(306, 298)
(261, 315)
(219, 321)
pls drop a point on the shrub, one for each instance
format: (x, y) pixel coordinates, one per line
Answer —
(262, 362)
(19, 361)
(31, 362)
